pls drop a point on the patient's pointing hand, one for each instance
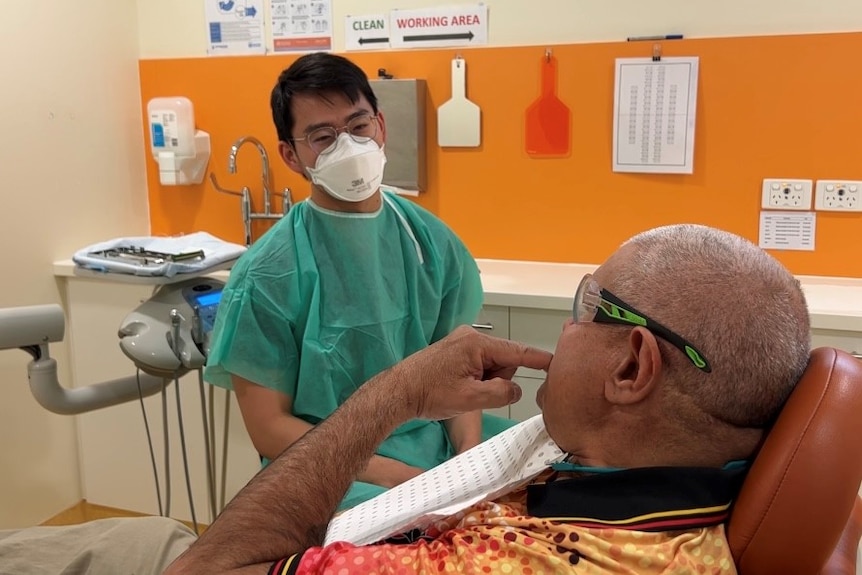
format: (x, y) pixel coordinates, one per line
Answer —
(465, 371)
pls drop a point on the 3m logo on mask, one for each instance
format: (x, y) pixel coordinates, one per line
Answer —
(352, 172)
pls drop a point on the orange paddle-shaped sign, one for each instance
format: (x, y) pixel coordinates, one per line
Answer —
(548, 120)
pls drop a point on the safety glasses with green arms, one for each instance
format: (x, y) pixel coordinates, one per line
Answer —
(598, 305)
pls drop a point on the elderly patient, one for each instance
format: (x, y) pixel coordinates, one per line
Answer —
(682, 349)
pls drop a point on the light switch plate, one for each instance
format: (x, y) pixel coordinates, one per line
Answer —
(838, 196)
(786, 194)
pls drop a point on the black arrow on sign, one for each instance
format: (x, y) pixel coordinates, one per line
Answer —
(429, 37)
(373, 40)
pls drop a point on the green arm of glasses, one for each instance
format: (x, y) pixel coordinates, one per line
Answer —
(614, 310)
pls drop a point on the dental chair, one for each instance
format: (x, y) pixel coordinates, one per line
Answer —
(799, 512)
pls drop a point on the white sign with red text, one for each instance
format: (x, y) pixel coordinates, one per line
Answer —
(439, 27)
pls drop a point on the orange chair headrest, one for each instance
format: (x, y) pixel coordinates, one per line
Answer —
(803, 483)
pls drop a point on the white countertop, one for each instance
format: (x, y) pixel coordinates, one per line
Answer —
(834, 303)
(531, 284)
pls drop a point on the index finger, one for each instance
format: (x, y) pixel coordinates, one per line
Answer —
(504, 353)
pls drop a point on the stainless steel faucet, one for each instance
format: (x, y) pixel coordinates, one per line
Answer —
(245, 195)
(264, 157)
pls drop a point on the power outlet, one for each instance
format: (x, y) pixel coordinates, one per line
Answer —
(785, 194)
(838, 196)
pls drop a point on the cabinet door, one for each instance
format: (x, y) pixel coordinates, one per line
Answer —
(849, 341)
(526, 408)
(537, 327)
(494, 320)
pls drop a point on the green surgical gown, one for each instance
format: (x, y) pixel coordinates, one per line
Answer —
(325, 300)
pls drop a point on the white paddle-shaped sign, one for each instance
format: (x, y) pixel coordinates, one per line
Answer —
(459, 121)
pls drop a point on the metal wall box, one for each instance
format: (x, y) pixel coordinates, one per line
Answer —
(402, 102)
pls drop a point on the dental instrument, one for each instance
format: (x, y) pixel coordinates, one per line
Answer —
(31, 329)
(166, 337)
(187, 255)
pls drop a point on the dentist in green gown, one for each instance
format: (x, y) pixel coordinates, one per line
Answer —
(353, 280)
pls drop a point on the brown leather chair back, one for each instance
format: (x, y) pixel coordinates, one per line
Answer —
(803, 484)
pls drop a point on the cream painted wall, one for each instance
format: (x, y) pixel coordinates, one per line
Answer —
(71, 173)
(171, 29)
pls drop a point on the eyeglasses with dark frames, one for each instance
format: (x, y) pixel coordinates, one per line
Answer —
(598, 305)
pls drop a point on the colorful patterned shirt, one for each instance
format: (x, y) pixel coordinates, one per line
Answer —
(503, 537)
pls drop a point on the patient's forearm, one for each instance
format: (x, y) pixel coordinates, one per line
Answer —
(465, 430)
(287, 506)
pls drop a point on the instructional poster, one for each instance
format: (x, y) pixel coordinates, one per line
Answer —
(654, 115)
(301, 25)
(235, 27)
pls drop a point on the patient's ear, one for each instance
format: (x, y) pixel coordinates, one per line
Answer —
(637, 374)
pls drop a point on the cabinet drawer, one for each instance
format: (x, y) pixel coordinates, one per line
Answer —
(849, 341)
(537, 327)
(493, 320)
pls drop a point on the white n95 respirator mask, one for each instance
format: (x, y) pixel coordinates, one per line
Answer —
(352, 171)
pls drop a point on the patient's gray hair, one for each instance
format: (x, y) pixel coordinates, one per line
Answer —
(737, 304)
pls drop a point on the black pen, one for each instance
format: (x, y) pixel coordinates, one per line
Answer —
(654, 38)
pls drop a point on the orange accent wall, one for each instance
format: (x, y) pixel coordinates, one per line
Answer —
(780, 106)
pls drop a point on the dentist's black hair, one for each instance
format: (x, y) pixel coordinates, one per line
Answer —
(319, 73)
